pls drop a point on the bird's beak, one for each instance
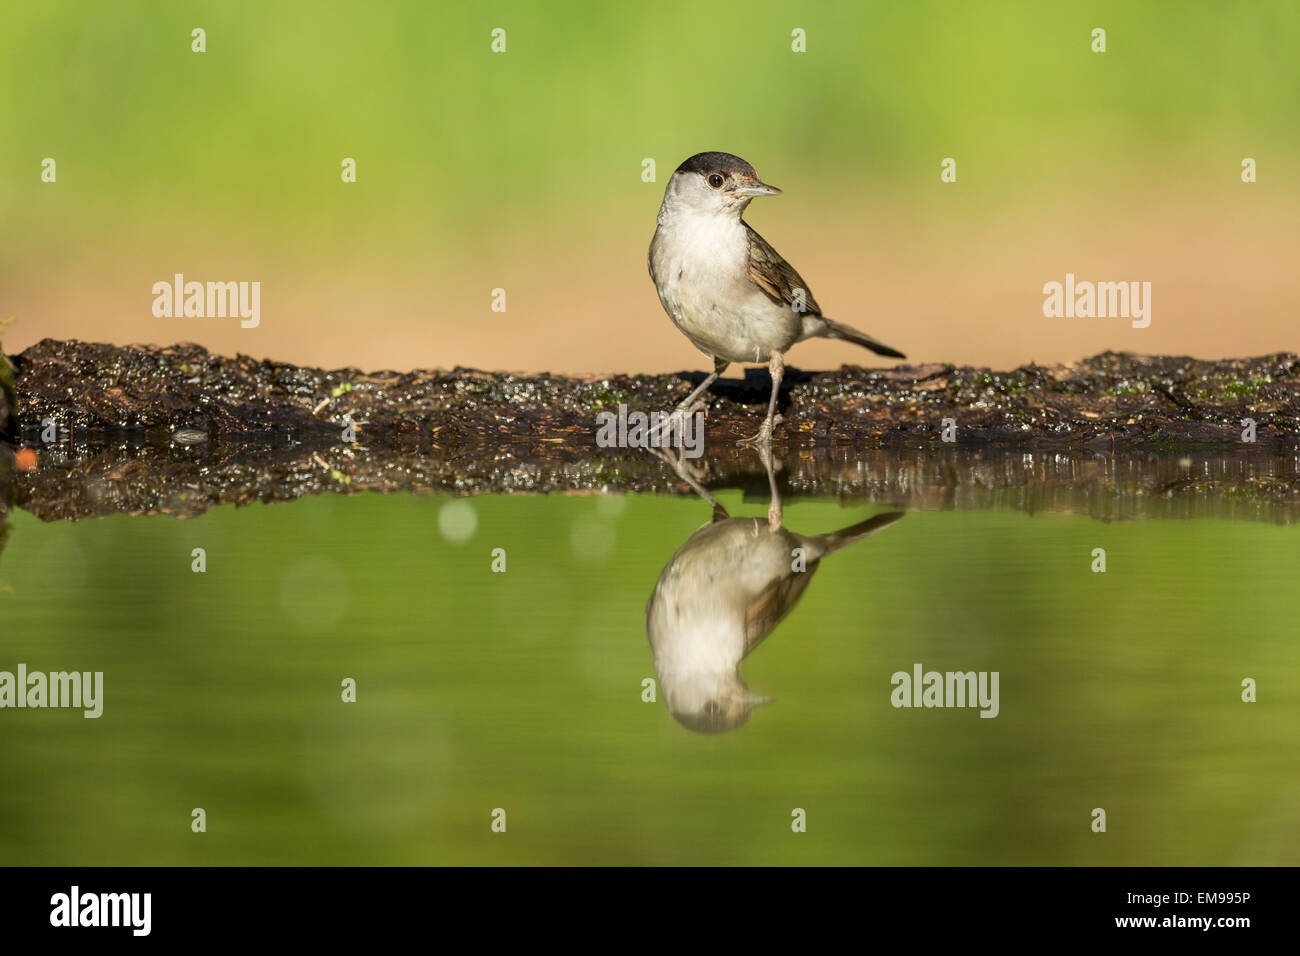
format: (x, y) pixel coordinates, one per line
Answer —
(759, 189)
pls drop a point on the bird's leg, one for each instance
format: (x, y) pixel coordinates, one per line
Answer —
(774, 508)
(776, 366)
(688, 405)
(687, 473)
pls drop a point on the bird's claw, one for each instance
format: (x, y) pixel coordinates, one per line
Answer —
(762, 439)
(693, 473)
(764, 436)
(677, 418)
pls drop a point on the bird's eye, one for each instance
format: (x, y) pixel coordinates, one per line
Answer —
(716, 180)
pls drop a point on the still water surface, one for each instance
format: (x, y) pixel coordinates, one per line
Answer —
(523, 690)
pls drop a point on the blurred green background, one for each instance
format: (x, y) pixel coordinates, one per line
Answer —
(522, 690)
(522, 171)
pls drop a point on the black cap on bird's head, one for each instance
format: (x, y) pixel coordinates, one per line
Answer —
(728, 174)
(705, 163)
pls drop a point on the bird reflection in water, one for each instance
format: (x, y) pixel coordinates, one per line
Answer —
(724, 591)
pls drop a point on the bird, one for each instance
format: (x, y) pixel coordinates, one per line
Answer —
(720, 595)
(724, 286)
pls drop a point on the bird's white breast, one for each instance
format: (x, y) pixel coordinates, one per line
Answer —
(700, 266)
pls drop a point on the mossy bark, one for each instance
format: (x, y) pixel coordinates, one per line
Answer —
(1115, 399)
(8, 424)
(1115, 435)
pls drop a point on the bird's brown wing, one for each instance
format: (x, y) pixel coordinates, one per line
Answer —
(775, 276)
(773, 603)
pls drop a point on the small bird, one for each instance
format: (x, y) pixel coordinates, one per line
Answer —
(722, 593)
(724, 287)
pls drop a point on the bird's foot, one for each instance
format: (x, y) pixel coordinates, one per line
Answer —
(691, 472)
(676, 420)
(764, 437)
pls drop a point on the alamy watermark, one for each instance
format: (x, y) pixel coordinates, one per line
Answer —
(76, 689)
(1084, 299)
(923, 688)
(211, 300)
(75, 908)
(626, 429)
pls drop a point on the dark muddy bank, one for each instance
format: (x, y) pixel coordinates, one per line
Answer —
(177, 430)
(1115, 400)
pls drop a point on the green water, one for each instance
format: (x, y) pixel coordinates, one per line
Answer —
(522, 691)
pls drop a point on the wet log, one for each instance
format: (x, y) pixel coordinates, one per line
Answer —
(140, 429)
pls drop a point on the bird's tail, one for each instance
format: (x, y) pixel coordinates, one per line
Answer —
(824, 544)
(838, 330)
